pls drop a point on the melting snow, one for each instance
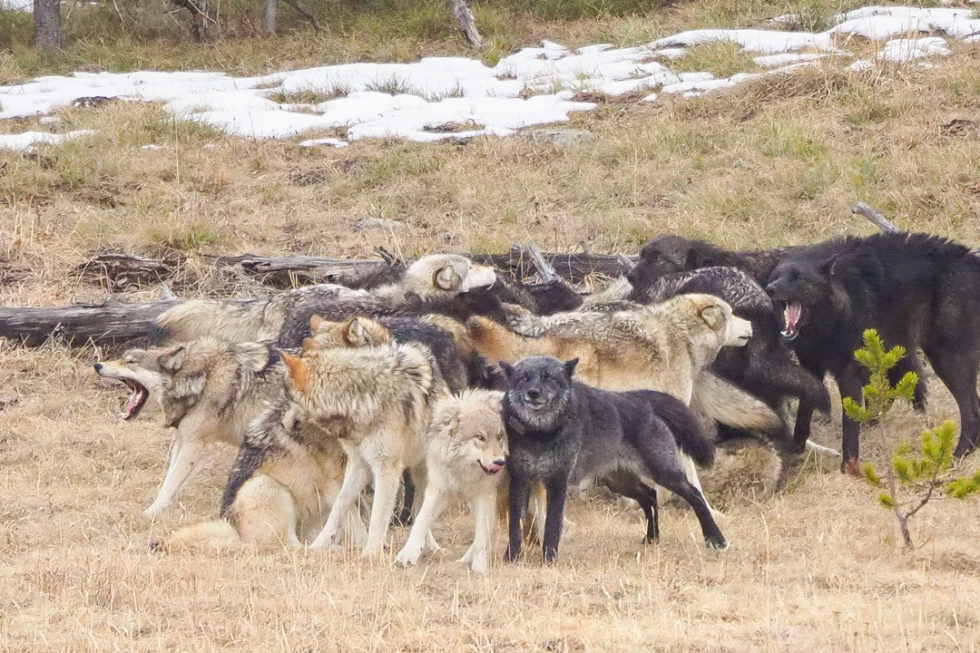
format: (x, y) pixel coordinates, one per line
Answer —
(25, 140)
(454, 97)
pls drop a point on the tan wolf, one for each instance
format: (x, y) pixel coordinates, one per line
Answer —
(378, 401)
(284, 317)
(287, 475)
(209, 391)
(465, 459)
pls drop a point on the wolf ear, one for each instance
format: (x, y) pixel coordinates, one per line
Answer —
(446, 419)
(253, 355)
(309, 344)
(357, 334)
(316, 323)
(570, 367)
(447, 278)
(297, 370)
(172, 360)
(506, 368)
(712, 314)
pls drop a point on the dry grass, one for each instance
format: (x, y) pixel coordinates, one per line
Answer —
(777, 161)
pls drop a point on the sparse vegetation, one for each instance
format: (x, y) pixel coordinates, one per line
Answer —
(914, 477)
(777, 160)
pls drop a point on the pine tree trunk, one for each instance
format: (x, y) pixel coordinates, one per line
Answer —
(47, 24)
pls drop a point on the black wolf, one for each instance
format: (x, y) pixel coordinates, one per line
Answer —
(917, 290)
(560, 432)
(764, 366)
(668, 253)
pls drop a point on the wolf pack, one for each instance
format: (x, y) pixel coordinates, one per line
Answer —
(696, 374)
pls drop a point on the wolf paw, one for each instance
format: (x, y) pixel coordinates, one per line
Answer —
(716, 542)
(408, 556)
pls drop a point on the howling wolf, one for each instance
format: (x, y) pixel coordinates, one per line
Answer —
(209, 391)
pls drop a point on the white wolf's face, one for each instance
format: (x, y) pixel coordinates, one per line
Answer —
(731, 330)
(472, 430)
(448, 273)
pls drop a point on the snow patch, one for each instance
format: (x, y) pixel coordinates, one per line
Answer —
(25, 141)
(899, 50)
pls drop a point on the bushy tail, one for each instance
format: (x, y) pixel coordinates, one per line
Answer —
(228, 320)
(688, 434)
(728, 404)
(218, 533)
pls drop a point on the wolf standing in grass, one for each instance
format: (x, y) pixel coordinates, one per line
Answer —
(916, 290)
(560, 432)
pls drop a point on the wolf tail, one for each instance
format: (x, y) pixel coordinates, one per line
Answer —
(684, 425)
(728, 404)
(218, 533)
(228, 320)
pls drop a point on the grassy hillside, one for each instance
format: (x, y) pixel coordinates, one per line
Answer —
(773, 161)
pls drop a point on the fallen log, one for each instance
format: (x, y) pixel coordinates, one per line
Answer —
(114, 322)
(107, 323)
(120, 272)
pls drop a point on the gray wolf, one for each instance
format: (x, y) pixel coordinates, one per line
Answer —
(431, 284)
(209, 390)
(287, 475)
(764, 367)
(377, 401)
(560, 432)
(364, 331)
(917, 290)
(663, 347)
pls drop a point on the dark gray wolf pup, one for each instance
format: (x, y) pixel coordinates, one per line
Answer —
(560, 432)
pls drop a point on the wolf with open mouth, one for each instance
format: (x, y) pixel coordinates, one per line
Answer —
(917, 290)
(208, 390)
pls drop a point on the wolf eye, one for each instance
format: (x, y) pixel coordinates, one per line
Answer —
(481, 437)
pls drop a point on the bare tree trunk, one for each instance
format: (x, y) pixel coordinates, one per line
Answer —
(47, 24)
(464, 16)
(271, 8)
(200, 18)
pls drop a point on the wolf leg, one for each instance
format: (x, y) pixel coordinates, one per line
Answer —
(186, 460)
(484, 509)
(386, 481)
(520, 489)
(630, 486)
(691, 472)
(356, 477)
(664, 467)
(432, 506)
(850, 382)
(959, 373)
(557, 490)
(682, 488)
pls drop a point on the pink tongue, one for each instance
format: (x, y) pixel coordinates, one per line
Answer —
(493, 467)
(792, 315)
(134, 401)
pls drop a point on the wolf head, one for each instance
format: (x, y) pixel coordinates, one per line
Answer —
(178, 375)
(140, 371)
(468, 428)
(668, 254)
(810, 287)
(446, 275)
(539, 389)
(706, 319)
(355, 332)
